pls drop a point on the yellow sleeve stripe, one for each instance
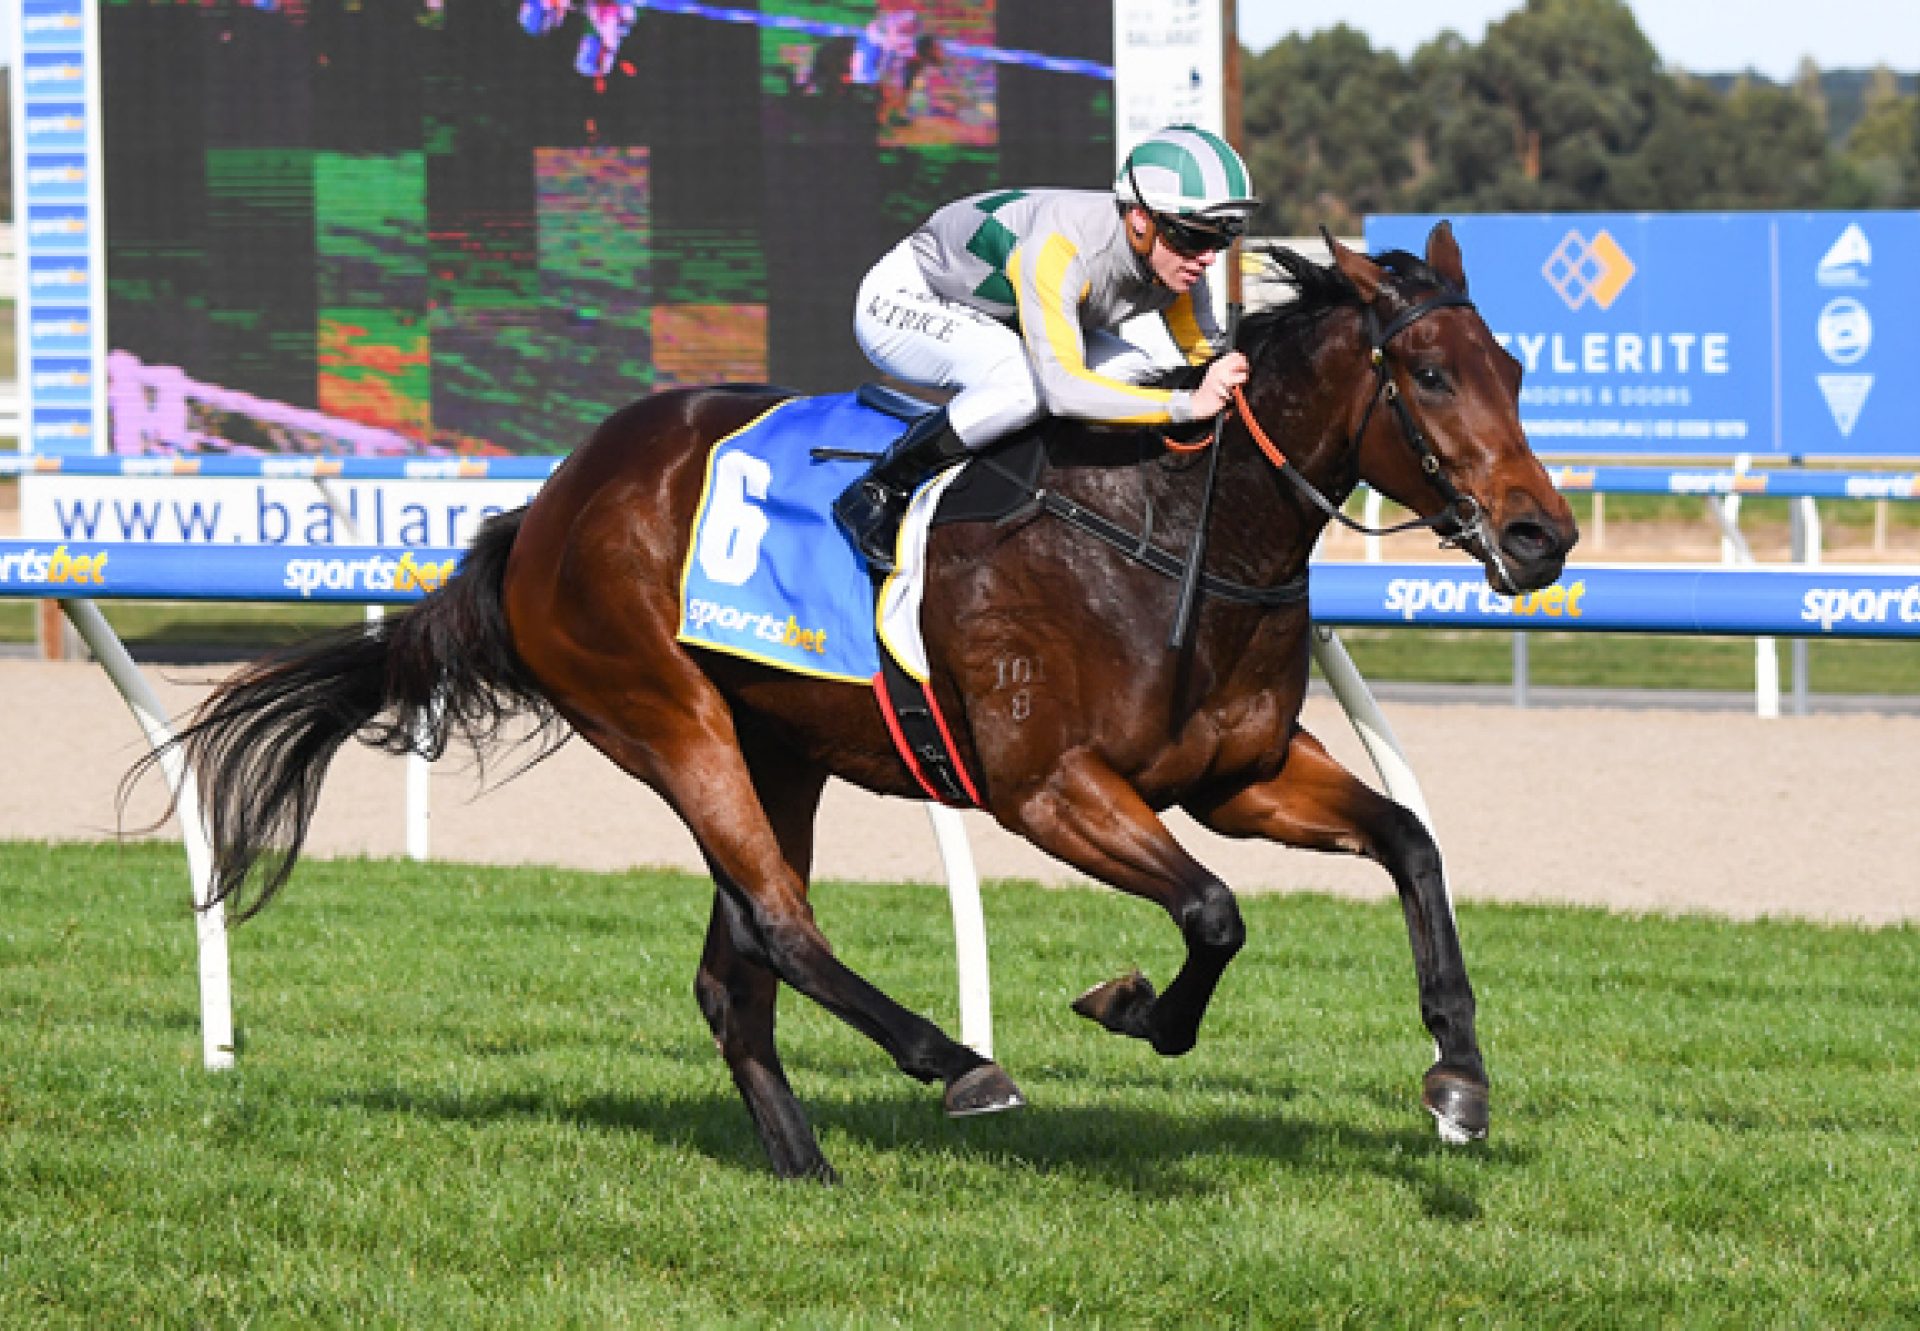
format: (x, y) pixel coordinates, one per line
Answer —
(1184, 324)
(1062, 339)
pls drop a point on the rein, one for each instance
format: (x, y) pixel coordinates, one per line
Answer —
(1460, 509)
(1468, 519)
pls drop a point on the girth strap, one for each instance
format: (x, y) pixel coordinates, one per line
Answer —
(1135, 546)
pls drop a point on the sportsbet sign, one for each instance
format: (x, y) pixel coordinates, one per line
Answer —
(1701, 334)
(1794, 602)
(222, 573)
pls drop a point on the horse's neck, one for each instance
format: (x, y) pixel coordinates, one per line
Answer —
(1301, 406)
(1259, 530)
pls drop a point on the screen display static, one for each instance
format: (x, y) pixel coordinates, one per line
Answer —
(481, 227)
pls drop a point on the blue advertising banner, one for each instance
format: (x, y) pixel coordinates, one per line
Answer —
(233, 573)
(1642, 598)
(1737, 602)
(59, 329)
(1782, 335)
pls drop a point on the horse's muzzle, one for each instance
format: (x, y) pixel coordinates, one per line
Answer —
(1533, 549)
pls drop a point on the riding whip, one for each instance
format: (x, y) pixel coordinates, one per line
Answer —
(1197, 553)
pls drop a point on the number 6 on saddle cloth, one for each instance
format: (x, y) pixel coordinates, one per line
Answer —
(771, 577)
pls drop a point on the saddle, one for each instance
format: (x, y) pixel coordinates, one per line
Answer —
(771, 578)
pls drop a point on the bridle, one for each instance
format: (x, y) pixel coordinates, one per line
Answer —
(1461, 513)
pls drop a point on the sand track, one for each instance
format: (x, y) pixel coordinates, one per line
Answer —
(1638, 810)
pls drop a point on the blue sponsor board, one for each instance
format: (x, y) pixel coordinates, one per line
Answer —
(60, 177)
(64, 381)
(52, 25)
(55, 110)
(1785, 602)
(54, 330)
(292, 468)
(202, 573)
(56, 126)
(58, 228)
(59, 279)
(53, 75)
(1836, 603)
(62, 430)
(1701, 334)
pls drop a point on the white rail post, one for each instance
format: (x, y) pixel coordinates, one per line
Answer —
(1369, 722)
(969, 929)
(1735, 550)
(419, 778)
(216, 988)
(1376, 736)
(1806, 551)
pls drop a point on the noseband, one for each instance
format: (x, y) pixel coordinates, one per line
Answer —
(1467, 519)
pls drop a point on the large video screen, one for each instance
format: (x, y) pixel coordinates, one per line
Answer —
(479, 226)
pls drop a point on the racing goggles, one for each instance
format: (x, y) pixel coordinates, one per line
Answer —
(1190, 238)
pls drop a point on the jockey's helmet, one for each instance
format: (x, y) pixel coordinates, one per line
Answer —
(1192, 182)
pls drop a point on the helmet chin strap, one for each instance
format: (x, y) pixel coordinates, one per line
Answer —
(1142, 243)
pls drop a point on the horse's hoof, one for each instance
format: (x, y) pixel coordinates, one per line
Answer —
(1120, 1005)
(1458, 1106)
(985, 1090)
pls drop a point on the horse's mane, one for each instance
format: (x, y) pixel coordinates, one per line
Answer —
(1318, 290)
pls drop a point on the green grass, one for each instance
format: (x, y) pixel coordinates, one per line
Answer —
(1754, 510)
(480, 1096)
(244, 629)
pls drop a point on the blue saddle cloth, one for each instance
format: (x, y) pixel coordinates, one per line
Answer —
(770, 576)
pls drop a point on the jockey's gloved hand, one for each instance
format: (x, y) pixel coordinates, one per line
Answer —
(1216, 389)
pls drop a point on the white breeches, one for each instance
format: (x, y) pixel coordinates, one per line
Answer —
(912, 334)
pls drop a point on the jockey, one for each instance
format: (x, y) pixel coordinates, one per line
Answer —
(1012, 298)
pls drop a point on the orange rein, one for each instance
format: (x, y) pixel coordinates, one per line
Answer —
(1267, 446)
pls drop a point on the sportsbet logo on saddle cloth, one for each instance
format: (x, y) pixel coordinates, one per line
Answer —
(770, 576)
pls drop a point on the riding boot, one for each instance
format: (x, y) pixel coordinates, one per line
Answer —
(871, 508)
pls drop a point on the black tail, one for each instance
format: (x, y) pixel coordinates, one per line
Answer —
(260, 744)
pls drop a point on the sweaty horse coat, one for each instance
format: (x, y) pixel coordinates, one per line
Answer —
(1048, 653)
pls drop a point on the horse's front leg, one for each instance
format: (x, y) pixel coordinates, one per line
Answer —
(1317, 804)
(1090, 817)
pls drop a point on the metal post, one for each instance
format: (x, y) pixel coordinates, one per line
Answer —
(1766, 656)
(1369, 722)
(1520, 680)
(969, 929)
(216, 989)
(1806, 551)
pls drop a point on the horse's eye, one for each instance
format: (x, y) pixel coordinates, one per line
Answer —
(1429, 378)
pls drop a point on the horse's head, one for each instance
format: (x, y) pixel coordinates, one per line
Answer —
(1438, 416)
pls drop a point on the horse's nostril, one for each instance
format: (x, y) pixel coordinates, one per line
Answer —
(1527, 540)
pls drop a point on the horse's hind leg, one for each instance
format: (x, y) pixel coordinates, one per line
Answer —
(1316, 804)
(737, 990)
(692, 756)
(1090, 817)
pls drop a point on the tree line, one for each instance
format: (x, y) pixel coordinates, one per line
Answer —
(1564, 106)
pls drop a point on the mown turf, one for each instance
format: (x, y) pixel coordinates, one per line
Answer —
(478, 1096)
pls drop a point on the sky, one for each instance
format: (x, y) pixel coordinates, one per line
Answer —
(1702, 36)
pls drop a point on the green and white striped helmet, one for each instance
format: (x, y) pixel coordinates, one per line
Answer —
(1186, 171)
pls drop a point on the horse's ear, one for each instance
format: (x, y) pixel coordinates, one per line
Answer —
(1357, 268)
(1443, 256)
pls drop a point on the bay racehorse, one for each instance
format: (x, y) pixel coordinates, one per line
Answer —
(1381, 369)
